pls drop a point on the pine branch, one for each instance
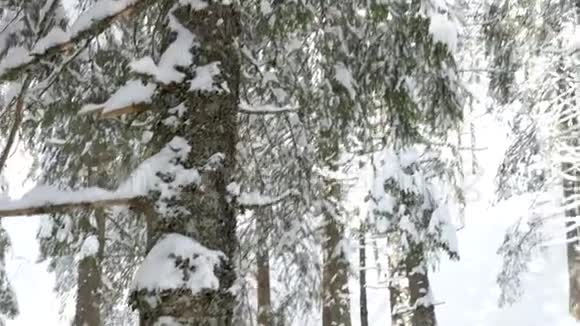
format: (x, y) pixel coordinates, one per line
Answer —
(18, 114)
(92, 30)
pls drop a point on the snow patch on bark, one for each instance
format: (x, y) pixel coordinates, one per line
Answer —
(89, 248)
(178, 262)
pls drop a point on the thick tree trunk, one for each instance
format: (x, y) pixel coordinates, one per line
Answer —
(420, 301)
(88, 303)
(335, 293)
(209, 127)
(89, 270)
(87, 311)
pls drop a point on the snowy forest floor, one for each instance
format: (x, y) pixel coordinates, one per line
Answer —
(466, 290)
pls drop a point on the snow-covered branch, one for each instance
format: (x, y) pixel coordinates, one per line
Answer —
(263, 109)
(46, 200)
(89, 24)
(256, 199)
(143, 181)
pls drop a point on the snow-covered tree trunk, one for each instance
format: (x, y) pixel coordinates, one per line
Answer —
(423, 311)
(571, 189)
(89, 270)
(571, 185)
(570, 182)
(335, 293)
(201, 221)
(88, 303)
(397, 292)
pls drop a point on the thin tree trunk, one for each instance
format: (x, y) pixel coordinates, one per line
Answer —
(571, 187)
(364, 313)
(397, 292)
(263, 262)
(210, 128)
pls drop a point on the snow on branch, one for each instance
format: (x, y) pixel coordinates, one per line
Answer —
(143, 181)
(89, 24)
(177, 54)
(256, 199)
(45, 200)
(263, 109)
(132, 97)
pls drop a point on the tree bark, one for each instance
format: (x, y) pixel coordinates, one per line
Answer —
(335, 293)
(573, 255)
(397, 293)
(571, 187)
(263, 262)
(420, 301)
(88, 303)
(209, 128)
(364, 313)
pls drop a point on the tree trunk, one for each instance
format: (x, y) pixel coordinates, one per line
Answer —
(87, 311)
(571, 185)
(420, 301)
(263, 262)
(335, 294)
(571, 189)
(364, 313)
(209, 127)
(88, 303)
(397, 292)
(89, 282)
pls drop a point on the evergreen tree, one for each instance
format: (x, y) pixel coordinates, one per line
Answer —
(8, 302)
